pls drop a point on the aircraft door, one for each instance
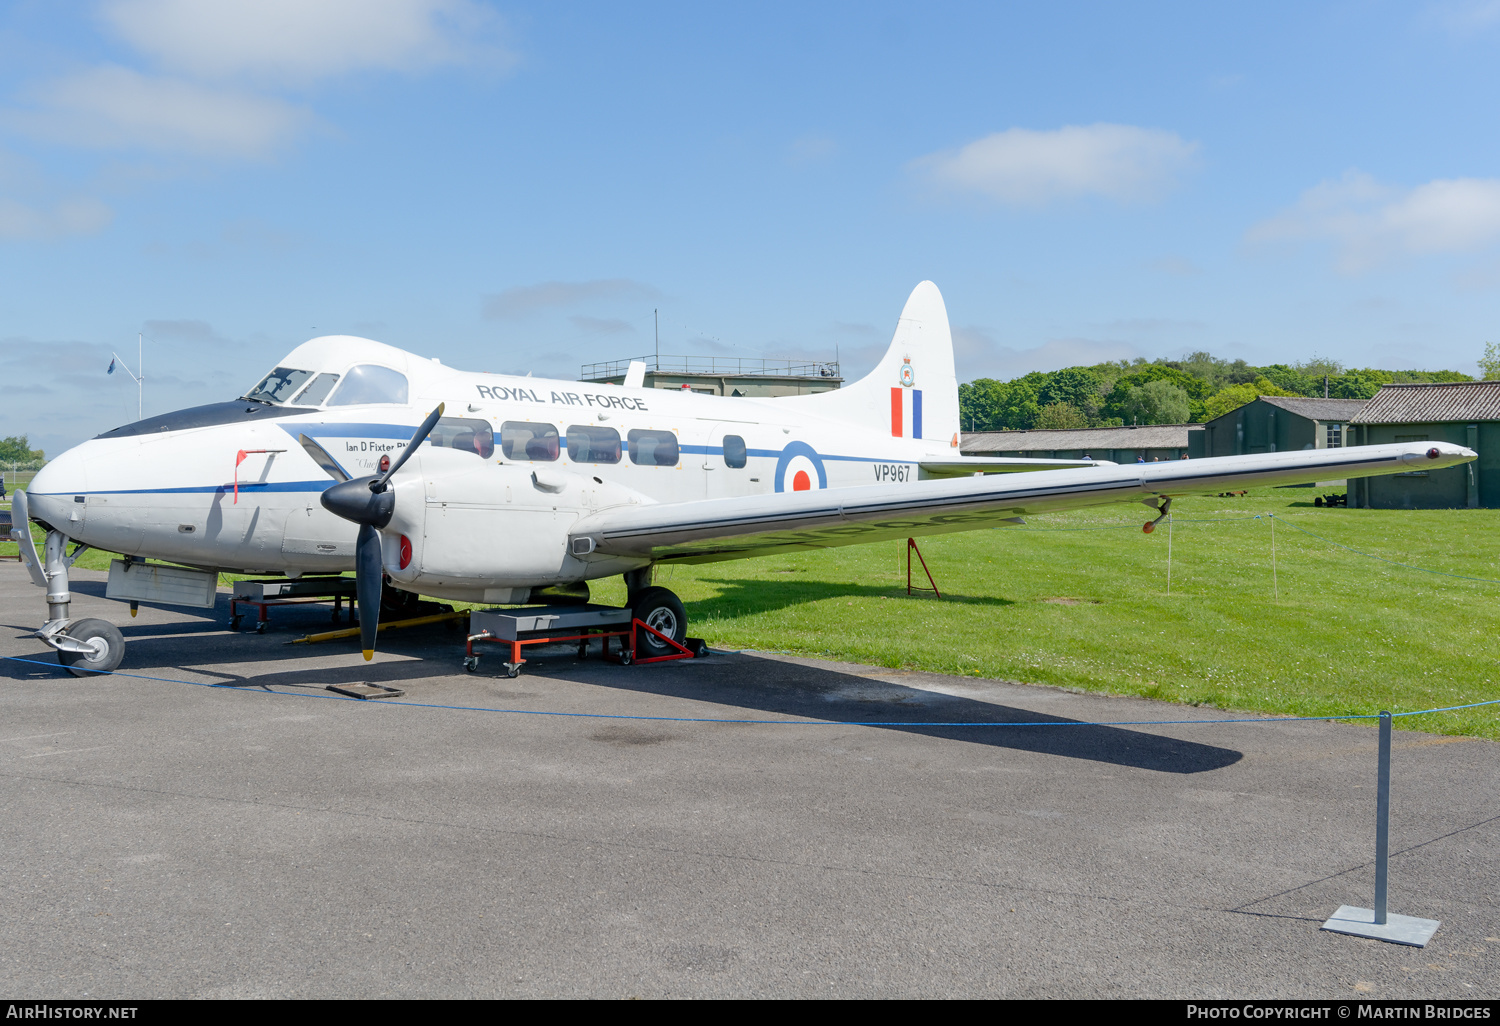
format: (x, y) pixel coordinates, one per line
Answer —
(727, 469)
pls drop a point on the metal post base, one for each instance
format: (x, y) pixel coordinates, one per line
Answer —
(1396, 930)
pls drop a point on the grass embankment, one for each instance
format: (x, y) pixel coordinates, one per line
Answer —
(1081, 600)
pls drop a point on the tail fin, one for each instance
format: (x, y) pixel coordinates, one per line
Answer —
(913, 390)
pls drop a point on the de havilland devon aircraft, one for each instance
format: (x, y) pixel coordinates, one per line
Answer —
(528, 484)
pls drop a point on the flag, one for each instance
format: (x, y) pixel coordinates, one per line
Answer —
(111, 367)
(906, 413)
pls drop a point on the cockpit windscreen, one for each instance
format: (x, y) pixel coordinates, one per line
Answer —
(279, 385)
(370, 383)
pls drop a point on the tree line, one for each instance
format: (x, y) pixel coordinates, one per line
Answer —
(17, 450)
(1197, 388)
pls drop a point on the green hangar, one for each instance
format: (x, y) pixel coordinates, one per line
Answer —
(1465, 413)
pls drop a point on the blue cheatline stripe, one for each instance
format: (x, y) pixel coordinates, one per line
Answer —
(340, 430)
(265, 486)
(264, 690)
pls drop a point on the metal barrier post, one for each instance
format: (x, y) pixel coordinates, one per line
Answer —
(1377, 923)
(1382, 817)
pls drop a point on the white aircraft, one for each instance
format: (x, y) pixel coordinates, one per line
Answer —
(528, 483)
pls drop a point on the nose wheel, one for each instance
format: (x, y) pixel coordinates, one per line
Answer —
(90, 647)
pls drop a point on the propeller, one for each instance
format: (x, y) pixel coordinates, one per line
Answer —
(370, 503)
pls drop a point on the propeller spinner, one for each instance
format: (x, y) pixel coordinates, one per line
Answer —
(368, 502)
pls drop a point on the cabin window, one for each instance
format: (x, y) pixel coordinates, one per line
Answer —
(314, 394)
(279, 385)
(588, 444)
(520, 440)
(370, 383)
(469, 436)
(734, 452)
(653, 448)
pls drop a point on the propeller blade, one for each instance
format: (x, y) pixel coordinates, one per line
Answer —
(378, 485)
(367, 574)
(321, 458)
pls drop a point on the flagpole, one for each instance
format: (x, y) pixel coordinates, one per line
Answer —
(140, 386)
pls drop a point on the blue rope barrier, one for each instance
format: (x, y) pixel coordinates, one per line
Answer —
(265, 690)
(1371, 555)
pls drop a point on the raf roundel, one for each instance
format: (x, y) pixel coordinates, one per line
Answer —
(800, 469)
(908, 378)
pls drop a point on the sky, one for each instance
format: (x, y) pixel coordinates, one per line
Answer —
(527, 187)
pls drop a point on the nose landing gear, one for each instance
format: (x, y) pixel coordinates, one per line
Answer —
(85, 647)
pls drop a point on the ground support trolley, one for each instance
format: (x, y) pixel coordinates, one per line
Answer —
(551, 625)
(264, 594)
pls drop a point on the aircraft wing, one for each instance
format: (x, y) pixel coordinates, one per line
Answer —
(999, 465)
(718, 529)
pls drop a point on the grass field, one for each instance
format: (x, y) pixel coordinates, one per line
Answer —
(1081, 600)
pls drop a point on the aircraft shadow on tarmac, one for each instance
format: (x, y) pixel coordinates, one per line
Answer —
(762, 596)
(748, 686)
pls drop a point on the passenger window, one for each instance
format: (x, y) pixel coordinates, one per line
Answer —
(467, 436)
(314, 394)
(520, 440)
(588, 444)
(653, 448)
(370, 383)
(734, 451)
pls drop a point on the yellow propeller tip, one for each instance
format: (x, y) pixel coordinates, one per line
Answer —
(369, 654)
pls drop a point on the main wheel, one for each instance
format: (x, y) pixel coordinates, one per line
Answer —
(659, 609)
(104, 639)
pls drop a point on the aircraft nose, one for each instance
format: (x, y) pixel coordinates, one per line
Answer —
(50, 494)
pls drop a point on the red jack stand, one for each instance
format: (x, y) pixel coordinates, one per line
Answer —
(911, 546)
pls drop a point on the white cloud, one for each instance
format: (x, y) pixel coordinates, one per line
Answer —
(1372, 223)
(601, 325)
(1022, 167)
(303, 40)
(1464, 19)
(812, 149)
(111, 107)
(977, 355)
(84, 216)
(528, 299)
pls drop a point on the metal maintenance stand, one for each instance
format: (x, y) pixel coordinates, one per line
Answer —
(1377, 923)
(264, 594)
(551, 625)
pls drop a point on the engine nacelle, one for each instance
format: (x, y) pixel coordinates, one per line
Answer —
(490, 531)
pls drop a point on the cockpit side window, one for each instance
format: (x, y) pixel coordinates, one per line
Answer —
(279, 385)
(314, 394)
(464, 435)
(370, 383)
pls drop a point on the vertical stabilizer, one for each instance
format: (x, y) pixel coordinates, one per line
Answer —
(913, 390)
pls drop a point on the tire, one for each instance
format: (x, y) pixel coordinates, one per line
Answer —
(660, 609)
(111, 644)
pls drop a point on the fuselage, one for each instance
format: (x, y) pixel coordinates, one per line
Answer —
(485, 505)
